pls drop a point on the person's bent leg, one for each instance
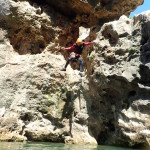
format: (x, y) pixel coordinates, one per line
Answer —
(67, 63)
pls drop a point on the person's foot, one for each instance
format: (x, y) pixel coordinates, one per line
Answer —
(63, 69)
(81, 74)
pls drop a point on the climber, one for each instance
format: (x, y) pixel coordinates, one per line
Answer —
(77, 48)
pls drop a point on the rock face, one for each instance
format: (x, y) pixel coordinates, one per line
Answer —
(110, 105)
(5, 8)
(31, 32)
(121, 70)
(88, 11)
(39, 105)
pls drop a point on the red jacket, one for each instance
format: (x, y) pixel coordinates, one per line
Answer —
(73, 46)
(78, 49)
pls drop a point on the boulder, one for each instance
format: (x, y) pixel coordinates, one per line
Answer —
(5, 7)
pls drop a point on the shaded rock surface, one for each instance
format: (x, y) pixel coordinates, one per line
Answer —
(120, 74)
(109, 105)
(88, 11)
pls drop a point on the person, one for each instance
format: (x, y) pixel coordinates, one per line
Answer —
(76, 54)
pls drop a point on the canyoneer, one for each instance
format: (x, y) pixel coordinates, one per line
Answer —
(77, 49)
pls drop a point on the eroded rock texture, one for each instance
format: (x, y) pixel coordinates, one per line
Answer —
(31, 32)
(121, 66)
(110, 105)
(89, 11)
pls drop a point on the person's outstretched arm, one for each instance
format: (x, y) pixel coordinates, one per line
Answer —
(87, 43)
(68, 48)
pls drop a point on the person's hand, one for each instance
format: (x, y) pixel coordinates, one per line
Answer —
(62, 48)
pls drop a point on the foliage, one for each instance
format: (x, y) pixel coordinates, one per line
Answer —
(91, 56)
(133, 49)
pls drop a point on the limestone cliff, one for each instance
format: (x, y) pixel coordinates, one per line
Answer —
(110, 105)
(92, 11)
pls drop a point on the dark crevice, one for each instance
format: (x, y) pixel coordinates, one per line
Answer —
(59, 8)
(144, 73)
(132, 93)
(145, 42)
(102, 137)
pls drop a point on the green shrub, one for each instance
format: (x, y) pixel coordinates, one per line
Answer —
(91, 56)
(133, 49)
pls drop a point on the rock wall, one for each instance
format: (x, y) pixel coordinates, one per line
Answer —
(121, 79)
(110, 105)
(90, 11)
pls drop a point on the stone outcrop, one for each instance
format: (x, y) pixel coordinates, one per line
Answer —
(30, 32)
(5, 7)
(39, 105)
(110, 105)
(89, 11)
(121, 68)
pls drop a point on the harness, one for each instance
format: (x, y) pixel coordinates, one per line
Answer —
(79, 49)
